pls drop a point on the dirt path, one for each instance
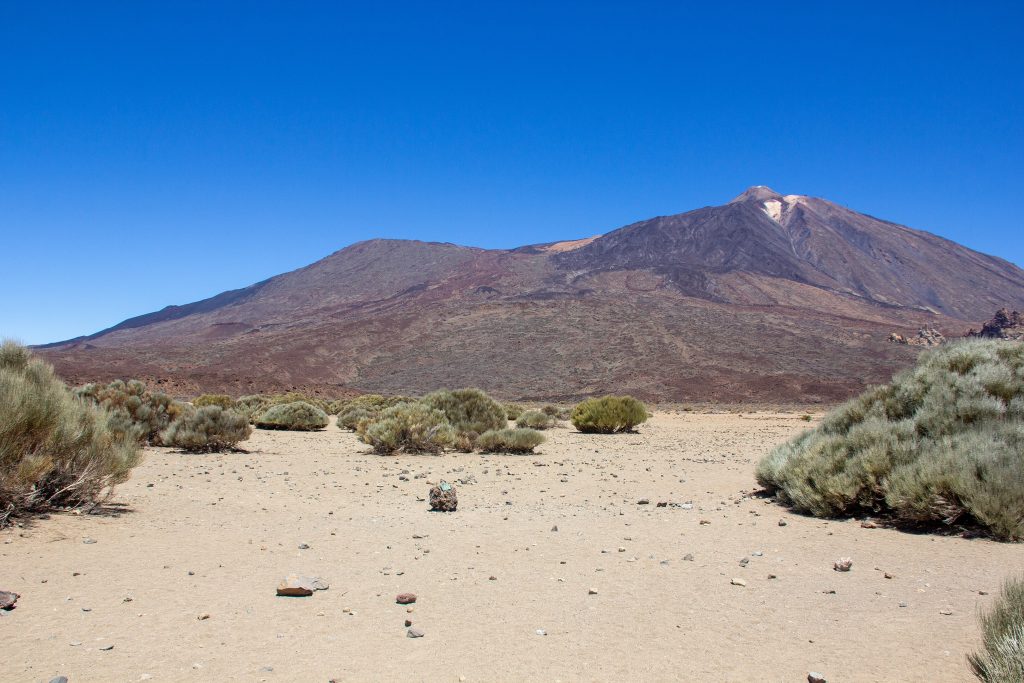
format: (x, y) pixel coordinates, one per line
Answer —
(212, 535)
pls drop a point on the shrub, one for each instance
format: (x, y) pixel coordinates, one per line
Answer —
(367, 406)
(468, 411)
(941, 444)
(208, 429)
(535, 419)
(222, 400)
(513, 411)
(133, 408)
(608, 415)
(297, 416)
(294, 396)
(409, 428)
(252, 406)
(1003, 636)
(351, 417)
(509, 441)
(55, 449)
(554, 411)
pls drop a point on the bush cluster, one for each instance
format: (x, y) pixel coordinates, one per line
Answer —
(207, 429)
(297, 416)
(55, 448)
(509, 441)
(366, 407)
(408, 428)
(940, 444)
(513, 411)
(133, 409)
(535, 419)
(608, 415)
(1003, 636)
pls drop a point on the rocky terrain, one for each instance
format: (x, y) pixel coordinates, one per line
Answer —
(1003, 325)
(770, 298)
(641, 557)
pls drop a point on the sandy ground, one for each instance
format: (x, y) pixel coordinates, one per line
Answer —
(198, 535)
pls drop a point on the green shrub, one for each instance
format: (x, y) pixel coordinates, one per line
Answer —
(294, 396)
(535, 419)
(608, 415)
(941, 444)
(1003, 635)
(469, 411)
(55, 449)
(222, 400)
(513, 411)
(208, 429)
(133, 408)
(298, 416)
(366, 407)
(252, 406)
(408, 428)
(351, 417)
(509, 440)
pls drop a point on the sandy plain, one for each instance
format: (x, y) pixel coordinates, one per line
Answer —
(210, 536)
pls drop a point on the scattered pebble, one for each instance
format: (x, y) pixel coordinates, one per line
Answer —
(414, 633)
(405, 598)
(815, 677)
(843, 564)
(738, 582)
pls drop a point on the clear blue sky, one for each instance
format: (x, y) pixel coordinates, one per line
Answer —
(159, 153)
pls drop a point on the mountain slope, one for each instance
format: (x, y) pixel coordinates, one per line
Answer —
(766, 298)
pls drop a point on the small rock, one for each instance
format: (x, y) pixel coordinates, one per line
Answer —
(492, 578)
(688, 557)
(303, 546)
(408, 623)
(591, 591)
(405, 598)
(705, 521)
(7, 600)
(88, 541)
(443, 498)
(945, 611)
(903, 604)
(887, 575)
(621, 549)
(643, 501)
(815, 677)
(554, 528)
(745, 561)
(59, 679)
(662, 504)
(541, 632)
(106, 648)
(868, 525)
(414, 633)
(843, 564)
(204, 616)
(783, 522)
(296, 586)
(738, 582)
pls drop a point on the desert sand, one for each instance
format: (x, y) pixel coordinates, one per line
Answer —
(179, 573)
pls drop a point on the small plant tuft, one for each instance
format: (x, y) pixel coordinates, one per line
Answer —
(1003, 636)
(222, 400)
(509, 441)
(609, 415)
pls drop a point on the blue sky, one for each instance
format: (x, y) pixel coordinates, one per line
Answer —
(159, 153)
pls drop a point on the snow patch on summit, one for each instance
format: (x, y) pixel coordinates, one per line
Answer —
(773, 208)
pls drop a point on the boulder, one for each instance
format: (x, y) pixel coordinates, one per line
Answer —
(443, 498)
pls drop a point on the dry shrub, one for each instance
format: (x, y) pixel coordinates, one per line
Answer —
(408, 428)
(133, 408)
(55, 449)
(469, 411)
(208, 429)
(298, 416)
(535, 419)
(513, 411)
(608, 415)
(941, 444)
(367, 407)
(252, 406)
(222, 400)
(509, 441)
(1003, 636)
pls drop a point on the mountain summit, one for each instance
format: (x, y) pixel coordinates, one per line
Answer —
(769, 297)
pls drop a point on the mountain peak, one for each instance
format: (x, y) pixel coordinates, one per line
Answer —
(757, 193)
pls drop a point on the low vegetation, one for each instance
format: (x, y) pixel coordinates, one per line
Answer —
(56, 450)
(252, 406)
(535, 419)
(513, 411)
(297, 416)
(133, 409)
(408, 428)
(208, 429)
(608, 415)
(1003, 636)
(222, 400)
(366, 407)
(470, 412)
(509, 441)
(940, 445)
